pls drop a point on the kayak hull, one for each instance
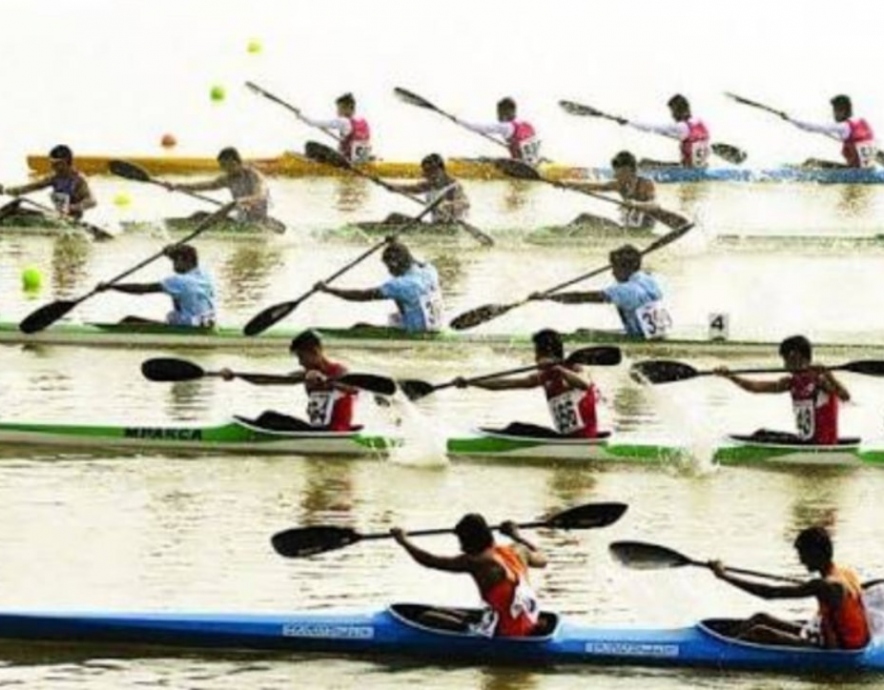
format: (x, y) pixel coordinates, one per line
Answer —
(393, 632)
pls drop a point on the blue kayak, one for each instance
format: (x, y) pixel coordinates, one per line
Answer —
(397, 632)
(677, 175)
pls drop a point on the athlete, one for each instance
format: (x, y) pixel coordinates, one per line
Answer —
(858, 140)
(690, 131)
(352, 130)
(638, 193)
(519, 135)
(436, 182)
(815, 394)
(500, 572)
(70, 193)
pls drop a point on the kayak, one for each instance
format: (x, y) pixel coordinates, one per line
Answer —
(295, 165)
(237, 436)
(377, 337)
(229, 229)
(398, 632)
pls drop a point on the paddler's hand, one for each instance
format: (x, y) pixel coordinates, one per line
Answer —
(461, 382)
(170, 187)
(717, 567)
(508, 528)
(315, 377)
(398, 535)
(622, 121)
(534, 296)
(320, 287)
(226, 374)
(104, 287)
(724, 372)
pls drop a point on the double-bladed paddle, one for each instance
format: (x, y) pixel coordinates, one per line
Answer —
(487, 312)
(170, 369)
(288, 106)
(668, 371)
(643, 556)
(728, 152)
(276, 313)
(522, 171)
(595, 356)
(98, 233)
(308, 541)
(52, 312)
(136, 173)
(328, 156)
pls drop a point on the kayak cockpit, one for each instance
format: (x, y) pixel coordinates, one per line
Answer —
(723, 629)
(520, 432)
(426, 617)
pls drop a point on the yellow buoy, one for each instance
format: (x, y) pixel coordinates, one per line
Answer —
(254, 47)
(218, 93)
(31, 279)
(122, 199)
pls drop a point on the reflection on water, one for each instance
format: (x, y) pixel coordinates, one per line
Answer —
(855, 200)
(248, 270)
(351, 193)
(70, 258)
(329, 489)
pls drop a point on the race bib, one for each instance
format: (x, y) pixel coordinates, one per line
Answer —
(805, 419)
(700, 154)
(320, 406)
(632, 217)
(360, 152)
(61, 201)
(530, 150)
(654, 320)
(866, 151)
(565, 412)
(525, 602)
(431, 308)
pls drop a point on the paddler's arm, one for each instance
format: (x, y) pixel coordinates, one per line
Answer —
(677, 130)
(573, 377)
(501, 129)
(840, 131)
(410, 188)
(351, 295)
(317, 377)
(131, 288)
(219, 182)
(533, 556)
(610, 186)
(452, 564)
(87, 201)
(530, 381)
(779, 386)
(27, 188)
(832, 385)
(811, 588)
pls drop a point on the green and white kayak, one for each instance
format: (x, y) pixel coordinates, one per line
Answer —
(237, 436)
(228, 229)
(372, 337)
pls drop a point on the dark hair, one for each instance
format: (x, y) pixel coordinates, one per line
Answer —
(624, 159)
(815, 540)
(306, 340)
(843, 102)
(799, 344)
(678, 101)
(62, 152)
(397, 254)
(346, 99)
(548, 342)
(229, 154)
(506, 104)
(434, 160)
(183, 251)
(474, 534)
(628, 256)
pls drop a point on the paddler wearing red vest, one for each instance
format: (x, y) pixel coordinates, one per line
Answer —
(519, 135)
(841, 621)
(354, 132)
(499, 571)
(815, 394)
(691, 133)
(858, 140)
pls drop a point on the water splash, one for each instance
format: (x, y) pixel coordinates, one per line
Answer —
(424, 444)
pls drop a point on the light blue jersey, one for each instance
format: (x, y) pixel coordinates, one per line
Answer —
(418, 298)
(638, 303)
(193, 296)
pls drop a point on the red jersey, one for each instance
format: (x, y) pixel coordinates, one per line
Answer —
(327, 407)
(356, 146)
(816, 410)
(523, 144)
(511, 599)
(845, 626)
(695, 147)
(573, 410)
(859, 147)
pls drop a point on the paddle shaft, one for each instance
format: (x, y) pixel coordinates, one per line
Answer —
(759, 106)
(420, 102)
(195, 195)
(774, 370)
(449, 530)
(292, 109)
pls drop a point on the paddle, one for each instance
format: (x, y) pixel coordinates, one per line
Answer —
(595, 356)
(522, 171)
(288, 106)
(328, 156)
(50, 313)
(136, 173)
(728, 152)
(307, 541)
(98, 233)
(642, 556)
(487, 312)
(169, 369)
(667, 371)
(276, 313)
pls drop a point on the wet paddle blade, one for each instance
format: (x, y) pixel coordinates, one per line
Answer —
(518, 170)
(601, 356)
(412, 98)
(46, 315)
(167, 369)
(270, 316)
(731, 154)
(379, 385)
(661, 371)
(416, 389)
(573, 108)
(676, 221)
(589, 516)
(480, 315)
(128, 170)
(642, 556)
(872, 367)
(307, 541)
(326, 155)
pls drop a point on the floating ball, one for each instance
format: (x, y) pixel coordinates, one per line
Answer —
(31, 279)
(122, 199)
(168, 141)
(218, 93)
(254, 46)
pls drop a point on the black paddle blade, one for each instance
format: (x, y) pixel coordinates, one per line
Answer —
(479, 315)
(326, 155)
(601, 356)
(573, 108)
(661, 371)
(518, 170)
(128, 170)
(46, 315)
(415, 389)
(379, 385)
(731, 154)
(871, 367)
(170, 369)
(270, 316)
(412, 98)
(589, 516)
(307, 541)
(643, 556)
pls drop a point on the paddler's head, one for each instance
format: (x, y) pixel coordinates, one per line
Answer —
(346, 105)
(433, 168)
(61, 158)
(625, 261)
(625, 166)
(474, 534)
(842, 108)
(397, 258)
(548, 346)
(184, 257)
(506, 110)
(796, 352)
(230, 160)
(814, 546)
(307, 347)
(679, 108)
